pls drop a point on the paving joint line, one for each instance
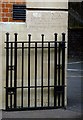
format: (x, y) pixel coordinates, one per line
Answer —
(75, 62)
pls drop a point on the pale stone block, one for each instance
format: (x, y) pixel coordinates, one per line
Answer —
(47, 23)
(47, 4)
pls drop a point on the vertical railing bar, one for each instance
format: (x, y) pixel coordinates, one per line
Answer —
(15, 71)
(48, 73)
(42, 72)
(22, 73)
(7, 65)
(59, 73)
(11, 76)
(63, 65)
(29, 71)
(11, 67)
(35, 74)
(59, 65)
(55, 69)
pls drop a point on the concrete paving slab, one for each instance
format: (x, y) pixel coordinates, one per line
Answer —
(0, 114)
(56, 113)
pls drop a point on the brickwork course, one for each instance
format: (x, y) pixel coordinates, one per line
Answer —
(6, 10)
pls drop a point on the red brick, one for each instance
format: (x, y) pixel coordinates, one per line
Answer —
(4, 19)
(0, 10)
(10, 9)
(18, 20)
(8, 15)
(0, 5)
(5, 10)
(8, 5)
(5, 1)
(3, 5)
(3, 15)
(0, 20)
(20, 1)
(11, 1)
(10, 20)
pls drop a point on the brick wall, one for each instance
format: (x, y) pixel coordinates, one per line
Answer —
(6, 10)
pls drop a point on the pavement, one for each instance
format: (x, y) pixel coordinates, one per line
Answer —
(0, 114)
(56, 113)
(75, 95)
(75, 75)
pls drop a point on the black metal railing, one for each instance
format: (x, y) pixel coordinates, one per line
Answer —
(55, 98)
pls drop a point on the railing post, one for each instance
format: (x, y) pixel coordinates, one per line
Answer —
(35, 74)
(42, 72)
(22, 74)
(15, 70)
(29, 38)
(63, 36)
(63, 66)
(11, 58)
(7, 65)
(55, 69)
(48, 73)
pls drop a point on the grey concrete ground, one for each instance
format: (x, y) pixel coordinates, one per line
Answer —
(75, 76)
(75, 93)
(57, 113)
(0, 114)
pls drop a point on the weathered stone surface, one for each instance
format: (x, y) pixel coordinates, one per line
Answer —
(47, 23)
